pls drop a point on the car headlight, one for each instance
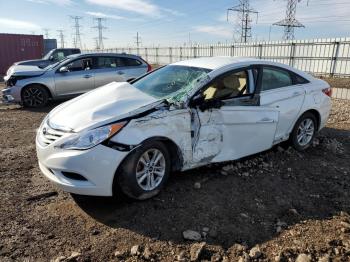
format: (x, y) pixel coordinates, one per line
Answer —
(11, 81)
(91, 138)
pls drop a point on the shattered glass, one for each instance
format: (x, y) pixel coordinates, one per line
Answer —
(185, 93)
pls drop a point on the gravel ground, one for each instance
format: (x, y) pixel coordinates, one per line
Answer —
(279, 205)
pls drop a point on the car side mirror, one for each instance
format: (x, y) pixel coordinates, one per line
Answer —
(64, 69)
(51, 58)
(200, 102)
(211, 103)
(197, 100)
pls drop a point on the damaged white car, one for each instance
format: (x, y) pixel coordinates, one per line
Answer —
(131, 136)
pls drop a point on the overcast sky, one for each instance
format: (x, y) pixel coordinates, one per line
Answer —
(170, 22)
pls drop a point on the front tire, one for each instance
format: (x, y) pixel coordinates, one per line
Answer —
(145, 171)
(304, 132)
(35, 96)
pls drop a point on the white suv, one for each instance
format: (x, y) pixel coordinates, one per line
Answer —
(130, 136)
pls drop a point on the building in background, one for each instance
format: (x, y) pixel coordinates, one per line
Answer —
(49, 44)
(17, 47)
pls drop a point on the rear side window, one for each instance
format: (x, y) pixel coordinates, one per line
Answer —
(275, 78)
(124, 61)
(106, 62)
(298, 80)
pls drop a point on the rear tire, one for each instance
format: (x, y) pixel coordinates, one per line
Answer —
(35, 96)
(303, 132)
(145, 171)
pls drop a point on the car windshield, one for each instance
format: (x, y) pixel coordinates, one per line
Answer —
(60, 62)
(47, 56)
(171, 82)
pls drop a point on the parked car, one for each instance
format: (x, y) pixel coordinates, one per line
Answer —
(130, 136)
(54, 56)
(77, 74)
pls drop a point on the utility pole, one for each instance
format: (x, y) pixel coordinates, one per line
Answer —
(61, 36)
(76, 37)
(290, 22)
(100, 29)
(244, 12)
(46, 33)
(138, 40)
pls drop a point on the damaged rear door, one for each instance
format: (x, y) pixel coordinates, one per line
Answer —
(229, 123)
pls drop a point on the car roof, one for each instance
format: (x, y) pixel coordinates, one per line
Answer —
(221, 63)
(108, 54)
(214, 62)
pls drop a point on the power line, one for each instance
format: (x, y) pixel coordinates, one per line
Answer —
(100, 27)
(61, 36)
(290, 22)
(76, 37)
(244, 11)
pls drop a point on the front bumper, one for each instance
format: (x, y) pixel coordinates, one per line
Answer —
(11, 94)
(97, 165)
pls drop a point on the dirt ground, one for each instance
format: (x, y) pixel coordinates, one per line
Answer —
(279, 205)
(337, 82)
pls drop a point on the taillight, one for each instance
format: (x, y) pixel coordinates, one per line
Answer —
(149, 67)
(327, 91)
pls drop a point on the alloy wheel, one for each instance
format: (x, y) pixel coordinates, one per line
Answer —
(150, 169)
(33, 97)
(305, 132)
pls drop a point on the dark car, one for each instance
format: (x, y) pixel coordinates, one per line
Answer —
(51, 57)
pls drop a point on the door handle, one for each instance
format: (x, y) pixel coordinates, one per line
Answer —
(120, 73)
(266, 120)
(87, 76)
(296, 93)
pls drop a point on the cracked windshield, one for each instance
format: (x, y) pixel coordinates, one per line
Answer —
(172, 82)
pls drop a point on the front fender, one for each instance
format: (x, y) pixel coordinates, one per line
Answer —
(173, 125)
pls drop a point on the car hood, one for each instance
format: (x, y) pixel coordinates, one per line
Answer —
(31, 62)
(23, 70)
(101, 106)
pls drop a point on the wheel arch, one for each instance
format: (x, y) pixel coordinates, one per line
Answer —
(37, 84)
(174, 150)
(316, 114)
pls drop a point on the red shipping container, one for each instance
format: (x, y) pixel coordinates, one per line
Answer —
(15, 47)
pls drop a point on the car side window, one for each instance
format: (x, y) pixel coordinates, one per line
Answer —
(80, 65)
(124, 61)
(273, 78)
(228, 86)
(106, 62)
(58, 56)
(298, 80)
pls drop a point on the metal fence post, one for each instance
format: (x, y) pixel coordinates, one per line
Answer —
(335, 57)
(180, 52)
(170, 55)
(232, 50)
(211, 51)
(260, 51)
(194, 51)
(292, 55)
(157, 56)
(146, 53)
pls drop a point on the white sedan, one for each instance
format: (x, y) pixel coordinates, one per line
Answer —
(131, 136)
